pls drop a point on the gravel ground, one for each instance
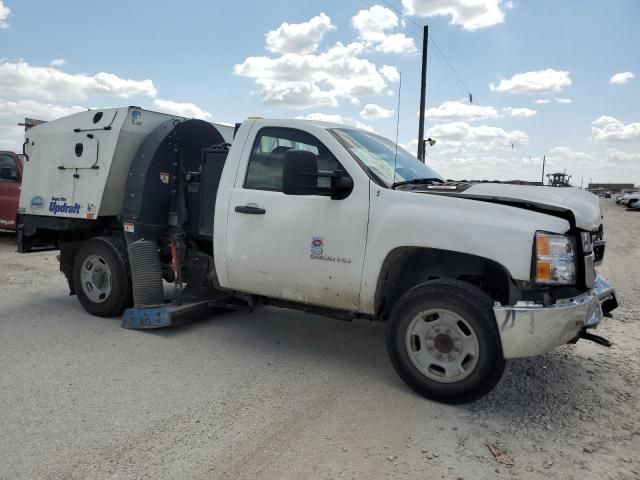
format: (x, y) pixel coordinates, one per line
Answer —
(285, 395)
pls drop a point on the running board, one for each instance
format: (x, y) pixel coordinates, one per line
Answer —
(145, 318)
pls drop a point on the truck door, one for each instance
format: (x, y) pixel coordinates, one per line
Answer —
(308, 249)
(9, 190)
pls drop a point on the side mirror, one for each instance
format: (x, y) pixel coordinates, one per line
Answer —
(300, 173)
(300, 177)
(7, 173)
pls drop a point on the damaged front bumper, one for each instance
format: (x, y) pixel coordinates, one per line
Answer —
(528, 329)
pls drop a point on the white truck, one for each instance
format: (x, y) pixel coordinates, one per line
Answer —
(320, 217)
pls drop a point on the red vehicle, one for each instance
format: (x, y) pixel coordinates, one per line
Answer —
(10, 180)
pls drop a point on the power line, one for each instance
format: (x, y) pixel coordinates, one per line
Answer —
(435, 44)
(445, 60)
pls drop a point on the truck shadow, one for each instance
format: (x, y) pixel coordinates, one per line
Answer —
(529, 389)
(292, 337)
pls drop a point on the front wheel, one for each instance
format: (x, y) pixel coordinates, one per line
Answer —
(443, 341)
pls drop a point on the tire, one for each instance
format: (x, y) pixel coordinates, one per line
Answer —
(438, 320)
(632, 203)
(102, 276)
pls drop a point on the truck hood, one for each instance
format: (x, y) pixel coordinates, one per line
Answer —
(583, 205)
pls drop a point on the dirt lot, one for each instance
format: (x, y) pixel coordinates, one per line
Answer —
(285, 395)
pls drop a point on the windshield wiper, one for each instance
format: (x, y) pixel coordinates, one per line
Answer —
(418, 181)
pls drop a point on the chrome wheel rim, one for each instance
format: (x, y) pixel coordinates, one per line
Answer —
(442, 345)
(96, 278)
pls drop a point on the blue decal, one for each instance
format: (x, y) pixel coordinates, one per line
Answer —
(59, 205)
(136, 117)
(37, 204)
(317, 244)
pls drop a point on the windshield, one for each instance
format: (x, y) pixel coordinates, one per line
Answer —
(378, 155)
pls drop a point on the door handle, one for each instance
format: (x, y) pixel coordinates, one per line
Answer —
(250, 209)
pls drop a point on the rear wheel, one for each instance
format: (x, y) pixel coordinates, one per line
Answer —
(102, 277)
(443, 341)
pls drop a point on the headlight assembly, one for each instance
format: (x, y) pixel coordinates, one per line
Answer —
(555, 262)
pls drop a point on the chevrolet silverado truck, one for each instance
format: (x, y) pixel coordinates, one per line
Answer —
(10, 178)
(320, 217)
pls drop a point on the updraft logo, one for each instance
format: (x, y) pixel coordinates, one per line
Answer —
(59, 205)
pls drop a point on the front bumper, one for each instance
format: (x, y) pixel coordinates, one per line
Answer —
(528, 329)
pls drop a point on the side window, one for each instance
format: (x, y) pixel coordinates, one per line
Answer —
(266, 163)
(9, 162)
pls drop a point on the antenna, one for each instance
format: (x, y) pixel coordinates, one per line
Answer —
(395, 158)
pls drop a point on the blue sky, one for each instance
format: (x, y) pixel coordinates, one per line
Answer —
(339, 60)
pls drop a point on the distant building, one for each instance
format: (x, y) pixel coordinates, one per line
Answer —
(613, 187)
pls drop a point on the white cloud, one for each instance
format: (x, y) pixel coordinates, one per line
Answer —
(611, 164)
(57, 62)
(182, 109)
(608, 128)
(562, 100)
(616, 157)
(621, 78)
(375, 19)
(23, 80)
(519, 112)
(4, 14)
(354, 101)
(542, 101)
(501, 162)
(390, 73)
(301, 38)
(17, 110)
(470, 14)
(460, 137)
(374, 27)
(568, 156)
(465, 151)
(539, 82)
(371, 111)
(362, 126)
(322, 117)
(303, 81)
(14, 111)
(456, 110)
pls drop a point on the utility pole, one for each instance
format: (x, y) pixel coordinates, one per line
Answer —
(544, 159)
(423, 92)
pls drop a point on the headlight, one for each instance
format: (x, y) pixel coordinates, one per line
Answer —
(555, 259)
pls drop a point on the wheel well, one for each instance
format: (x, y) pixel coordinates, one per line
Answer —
(406, 267)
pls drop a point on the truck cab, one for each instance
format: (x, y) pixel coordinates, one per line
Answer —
(10, 181)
